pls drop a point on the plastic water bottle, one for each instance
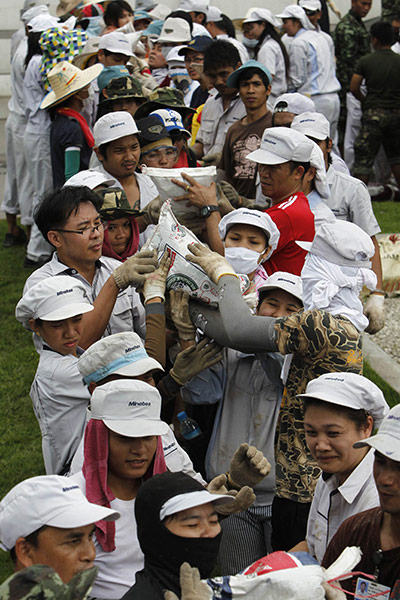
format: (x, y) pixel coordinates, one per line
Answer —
(189, 427)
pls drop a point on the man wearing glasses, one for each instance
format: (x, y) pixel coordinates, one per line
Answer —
(70, 221)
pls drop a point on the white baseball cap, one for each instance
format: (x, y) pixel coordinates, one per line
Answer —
(49, 500)
(53, 299)
(190, 500)
(247, 216)
(280, 145)
(89, 178)
(295, 103)
(350, 390)
(261, 14)
(116, 42)
(33, 12)
(387, 440)
(312, 124)
(193, 6)
(342, 243)
(118, 354)
(114, 126)
(283, 281)
(214, 14)
(313, 5)
(42, 22)
(160, 12)
(175, 30)
(129, 407)
(293, 11)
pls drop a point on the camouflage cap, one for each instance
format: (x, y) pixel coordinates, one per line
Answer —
(40, 582)
(165, 97)
(123, 87)
(115, 204)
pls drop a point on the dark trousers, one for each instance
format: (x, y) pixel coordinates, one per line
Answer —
(289, 523)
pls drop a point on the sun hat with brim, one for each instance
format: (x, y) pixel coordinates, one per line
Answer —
(166, 97)
(66, 80)
(89, 50)
(114, 126)
(312, 124)
(66, 6)
(115, 204)
(119, 354)
(233, 79)
(190, 500)
(53, 299)
(261, 14)
(349, 390)
(57, 46)
(122, 87)
(49, 500)
(280, 145)
(281, 280)
(89, 178)
(128, 407)
(342, 243)
(387, 440)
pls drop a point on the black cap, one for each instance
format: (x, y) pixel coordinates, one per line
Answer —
(151, 130)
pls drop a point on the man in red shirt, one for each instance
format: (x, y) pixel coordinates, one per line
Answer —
(283, 159)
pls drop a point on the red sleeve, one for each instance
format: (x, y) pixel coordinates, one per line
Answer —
(283, 223)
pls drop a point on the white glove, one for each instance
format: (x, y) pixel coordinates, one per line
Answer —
(374, 309)
(155, 283)
(212, 263)
(331, 593)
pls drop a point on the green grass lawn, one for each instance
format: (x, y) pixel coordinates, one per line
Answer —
(20, 440)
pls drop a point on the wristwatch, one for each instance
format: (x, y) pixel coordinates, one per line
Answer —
(207, 210)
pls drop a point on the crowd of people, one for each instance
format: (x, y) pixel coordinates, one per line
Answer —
(176, 430)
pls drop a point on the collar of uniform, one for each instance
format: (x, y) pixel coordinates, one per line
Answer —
(353, 484)
(102, 170)
(59, 268)
(218, 96)
(356, 17)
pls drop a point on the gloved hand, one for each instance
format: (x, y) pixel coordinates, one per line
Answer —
(179, 307)
(223, 201)
(151, 211)
(374, 309)
(193, 360)
(192, 588)
(212, 263)
(133, 270)
(209, 160)
(234, 198)
(331, 593)
(195, 224)
(248, 466)
(244, 498)
(155, 283)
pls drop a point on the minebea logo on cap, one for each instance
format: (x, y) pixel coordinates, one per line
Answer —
(134, 403)
(270, 141)
(333, 379)
(132, 349)
(61, 292)
(72, 487)
(393, 417)
(114, 125)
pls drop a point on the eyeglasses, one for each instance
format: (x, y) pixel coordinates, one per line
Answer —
(157, 154)
(85, 231)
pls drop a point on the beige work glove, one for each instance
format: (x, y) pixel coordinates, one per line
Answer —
(234, 198)
(133, 270)
(224, 204)
(244, 498)
(192, 588)
(193, 360)
(374, 310)
(179, 307)
(211, 159)
(331, 593)
(248, 466)
(155, 283)
(212, 263)
(151, 211)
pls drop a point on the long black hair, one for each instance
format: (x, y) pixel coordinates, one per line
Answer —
(271, 31)
(114, 11)
(33, 46)
(226, 25)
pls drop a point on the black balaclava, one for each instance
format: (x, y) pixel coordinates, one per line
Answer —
(164, 552)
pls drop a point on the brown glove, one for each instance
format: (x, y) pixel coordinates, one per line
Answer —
(192, 588)
(133, 270)
(248, 467)
(244, 498)
(179, 306)
(193, 360)
(151, 212)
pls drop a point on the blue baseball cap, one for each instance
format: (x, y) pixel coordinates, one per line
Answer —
(232, 80)
(109, 73)
(142, 15)
(199, 43)
(153, 29)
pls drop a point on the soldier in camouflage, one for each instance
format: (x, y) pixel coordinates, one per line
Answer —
(43, 583)
(352, 41)
(390, 10)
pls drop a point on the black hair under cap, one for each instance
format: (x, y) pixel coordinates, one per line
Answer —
(164, 552)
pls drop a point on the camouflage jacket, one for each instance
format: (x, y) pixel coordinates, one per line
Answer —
(390, 9)
(352, 41)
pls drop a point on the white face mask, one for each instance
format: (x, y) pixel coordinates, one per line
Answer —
(165, 50)
(249, 43)
(243, 260)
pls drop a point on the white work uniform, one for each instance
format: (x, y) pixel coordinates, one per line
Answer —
(244, 55)
(321, 211)
(215, 121)
(333, 503)
(37, 152)
(18, 190)
(117, 569)
(312, 72)
(128, 313)
(349, 200)
(270, 55)
(60, 399)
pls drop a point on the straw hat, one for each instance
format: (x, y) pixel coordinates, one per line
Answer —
(66, 79)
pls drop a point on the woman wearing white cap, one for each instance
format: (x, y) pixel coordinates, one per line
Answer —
(53, 309)
(220, 27)
(339, 410)
(260, 36)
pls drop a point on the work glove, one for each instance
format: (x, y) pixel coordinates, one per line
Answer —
(193, 360)
(179, 307)
(374, 310)
(248, 466)
(155, 283)
(224, 204)
(192, 588)
(234, 198)
(212, 263)
(332, 593)
(196, 224)
(151, 211)
(209, 160)
(133, 270)
(244, 498)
